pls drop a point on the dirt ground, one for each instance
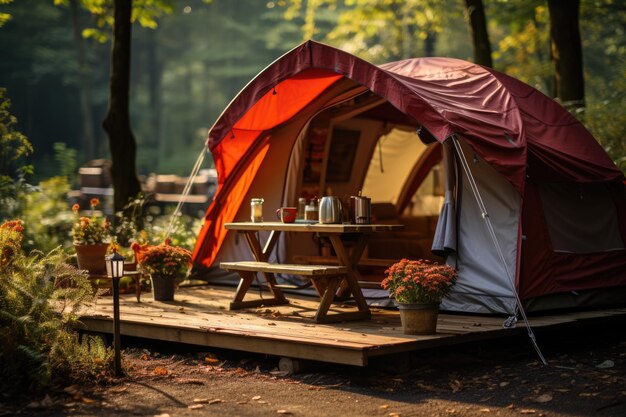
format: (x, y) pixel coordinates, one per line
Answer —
(586, 377)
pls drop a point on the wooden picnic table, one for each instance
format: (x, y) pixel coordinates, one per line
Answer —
(325, 278)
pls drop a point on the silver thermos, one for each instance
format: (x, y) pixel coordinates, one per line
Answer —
(330, 210)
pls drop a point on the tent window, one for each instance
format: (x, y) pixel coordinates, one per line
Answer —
(581, 218)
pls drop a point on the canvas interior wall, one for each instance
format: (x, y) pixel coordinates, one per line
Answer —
(270, 182)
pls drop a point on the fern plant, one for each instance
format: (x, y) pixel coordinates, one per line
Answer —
(40, 298)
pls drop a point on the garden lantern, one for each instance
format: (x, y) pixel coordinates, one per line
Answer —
(115, 271)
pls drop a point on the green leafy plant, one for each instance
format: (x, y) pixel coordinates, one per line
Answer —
(40, 296)
(91, 230)
(419, 281)
(45, 211)
(14, 148)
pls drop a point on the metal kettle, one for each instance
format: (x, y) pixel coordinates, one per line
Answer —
(360, 209)
(330, 210)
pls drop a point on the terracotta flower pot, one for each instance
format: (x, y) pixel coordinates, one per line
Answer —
(91, 257)
(419, 318)
(163, 287)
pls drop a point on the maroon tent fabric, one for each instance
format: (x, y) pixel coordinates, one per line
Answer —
(505, 120)
(522, 133)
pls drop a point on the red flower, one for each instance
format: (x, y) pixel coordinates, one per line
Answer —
(75, 208)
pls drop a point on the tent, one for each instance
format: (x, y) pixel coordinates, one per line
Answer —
(485, 172)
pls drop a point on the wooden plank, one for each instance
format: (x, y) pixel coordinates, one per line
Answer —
(313, 227)
(327, 260)
(294, 269)
(199, 316)
(327, 353)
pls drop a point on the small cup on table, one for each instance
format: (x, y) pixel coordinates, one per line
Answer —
(287, 214)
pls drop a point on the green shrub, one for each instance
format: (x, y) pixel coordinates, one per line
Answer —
(14, 148)
(40, 295)
(47, 215)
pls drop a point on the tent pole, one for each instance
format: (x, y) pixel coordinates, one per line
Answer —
(186, 190)
(494, 238)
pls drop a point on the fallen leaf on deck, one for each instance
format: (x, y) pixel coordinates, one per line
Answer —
(119, 389)
(200, 400)
(160, 371)
(211, 360)
(384, 406)
(271, 323)
(394, 414)
(195, 406)
(606, 364)
(216, 401)
(256, 398)
(543, 398)
(283, 412)
(72, 389)
(87, 400)
(456, 385)
(527, 411)
(485, 410)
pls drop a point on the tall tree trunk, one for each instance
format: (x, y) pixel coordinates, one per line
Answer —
(480, 36)
(88, 140)
(117, 122)
(566, 50)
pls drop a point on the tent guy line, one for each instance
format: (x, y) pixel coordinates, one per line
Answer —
(485, 216)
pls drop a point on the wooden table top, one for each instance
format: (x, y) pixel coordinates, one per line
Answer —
(313, 227)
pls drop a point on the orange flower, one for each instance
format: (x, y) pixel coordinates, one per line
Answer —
(94, 202)
(421, 281)
(75, 208)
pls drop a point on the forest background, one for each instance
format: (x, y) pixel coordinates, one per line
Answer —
(190, 58)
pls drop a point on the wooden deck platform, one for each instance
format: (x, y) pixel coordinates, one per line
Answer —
(200, 316)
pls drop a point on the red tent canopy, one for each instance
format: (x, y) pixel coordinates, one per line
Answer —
(516, 128)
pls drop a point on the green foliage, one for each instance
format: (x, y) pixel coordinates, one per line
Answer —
(83, 360)
(14, 148)
(144, 223)
(4, 17)
(46, 213)
(40, 295)
(184, 230)
(606, 119)
(66, 159)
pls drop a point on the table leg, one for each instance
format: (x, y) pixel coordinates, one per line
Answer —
(261, 255)
(350, 261)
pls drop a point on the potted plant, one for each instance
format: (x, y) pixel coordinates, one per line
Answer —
(418, 288)
(165, 264)
(91, 239)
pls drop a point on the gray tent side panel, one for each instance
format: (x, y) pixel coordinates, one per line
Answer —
(483, 285)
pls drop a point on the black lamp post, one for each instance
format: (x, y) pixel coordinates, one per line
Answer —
(115, 270)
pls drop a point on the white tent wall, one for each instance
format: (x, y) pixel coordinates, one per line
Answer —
(392, 161)
(483, 285)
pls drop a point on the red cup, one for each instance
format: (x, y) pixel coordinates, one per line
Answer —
(287, 214)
